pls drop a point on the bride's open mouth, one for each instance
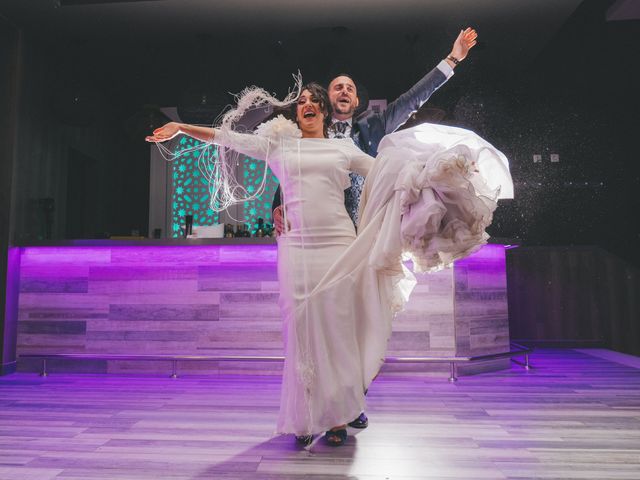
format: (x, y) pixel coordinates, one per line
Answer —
(309, 112)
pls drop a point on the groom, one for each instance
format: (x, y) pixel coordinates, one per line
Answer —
(368, 128)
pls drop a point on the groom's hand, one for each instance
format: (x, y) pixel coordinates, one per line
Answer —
(278, 221)
(465, 42)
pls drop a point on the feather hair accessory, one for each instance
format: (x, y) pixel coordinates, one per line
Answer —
(277, 128)
(218, 165)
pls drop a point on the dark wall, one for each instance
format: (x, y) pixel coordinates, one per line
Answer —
(78, 174)
(581, 295)
(579, 99)
(10, 43)
(95, 99)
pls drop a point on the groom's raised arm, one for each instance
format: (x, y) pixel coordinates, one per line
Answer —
(399, 111)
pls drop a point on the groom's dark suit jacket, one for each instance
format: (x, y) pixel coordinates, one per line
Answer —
(369, 127)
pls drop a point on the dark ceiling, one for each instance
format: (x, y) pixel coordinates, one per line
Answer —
(159, 51)
(156, 18)
(515, 31)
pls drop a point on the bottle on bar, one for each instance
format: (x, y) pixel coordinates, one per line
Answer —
(260, 230)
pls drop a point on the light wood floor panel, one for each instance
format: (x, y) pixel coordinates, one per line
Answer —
(574, 416)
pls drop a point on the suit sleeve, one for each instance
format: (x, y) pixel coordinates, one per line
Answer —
(276, 202)
(399, 111)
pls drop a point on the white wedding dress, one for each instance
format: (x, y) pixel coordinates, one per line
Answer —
(429, 196)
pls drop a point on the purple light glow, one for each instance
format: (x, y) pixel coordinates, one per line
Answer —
(490, 258)
(70, 261)
(54, 258)
(486, 267)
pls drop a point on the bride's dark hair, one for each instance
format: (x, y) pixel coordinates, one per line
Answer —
(320, 93)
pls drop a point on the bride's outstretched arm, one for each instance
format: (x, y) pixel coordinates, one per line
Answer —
(172, 129)
(255, 146)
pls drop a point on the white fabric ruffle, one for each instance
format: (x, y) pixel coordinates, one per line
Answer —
(446, 183)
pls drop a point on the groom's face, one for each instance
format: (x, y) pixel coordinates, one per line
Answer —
(343, 97)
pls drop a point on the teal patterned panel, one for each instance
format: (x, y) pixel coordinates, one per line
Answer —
(190, 192)
(190, 189)
(252, 174)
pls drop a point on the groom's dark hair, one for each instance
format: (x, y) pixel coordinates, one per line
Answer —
(344, 74)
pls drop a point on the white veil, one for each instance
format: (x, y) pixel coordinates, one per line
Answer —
(218, 164)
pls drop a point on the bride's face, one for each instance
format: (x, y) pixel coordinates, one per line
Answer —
(309, 113)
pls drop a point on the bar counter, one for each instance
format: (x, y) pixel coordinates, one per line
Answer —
(219, 297)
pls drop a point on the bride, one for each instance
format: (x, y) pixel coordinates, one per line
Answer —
(428, 196)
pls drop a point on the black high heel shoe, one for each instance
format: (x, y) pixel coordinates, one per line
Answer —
(336, 438)
(304, 440)
(361, 422)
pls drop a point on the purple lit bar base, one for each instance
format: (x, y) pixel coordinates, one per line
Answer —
(110, 302)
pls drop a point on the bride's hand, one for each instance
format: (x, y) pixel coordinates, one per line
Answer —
(164, 133)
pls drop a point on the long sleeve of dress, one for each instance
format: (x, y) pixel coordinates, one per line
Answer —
(254, 146)
(360, 162)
